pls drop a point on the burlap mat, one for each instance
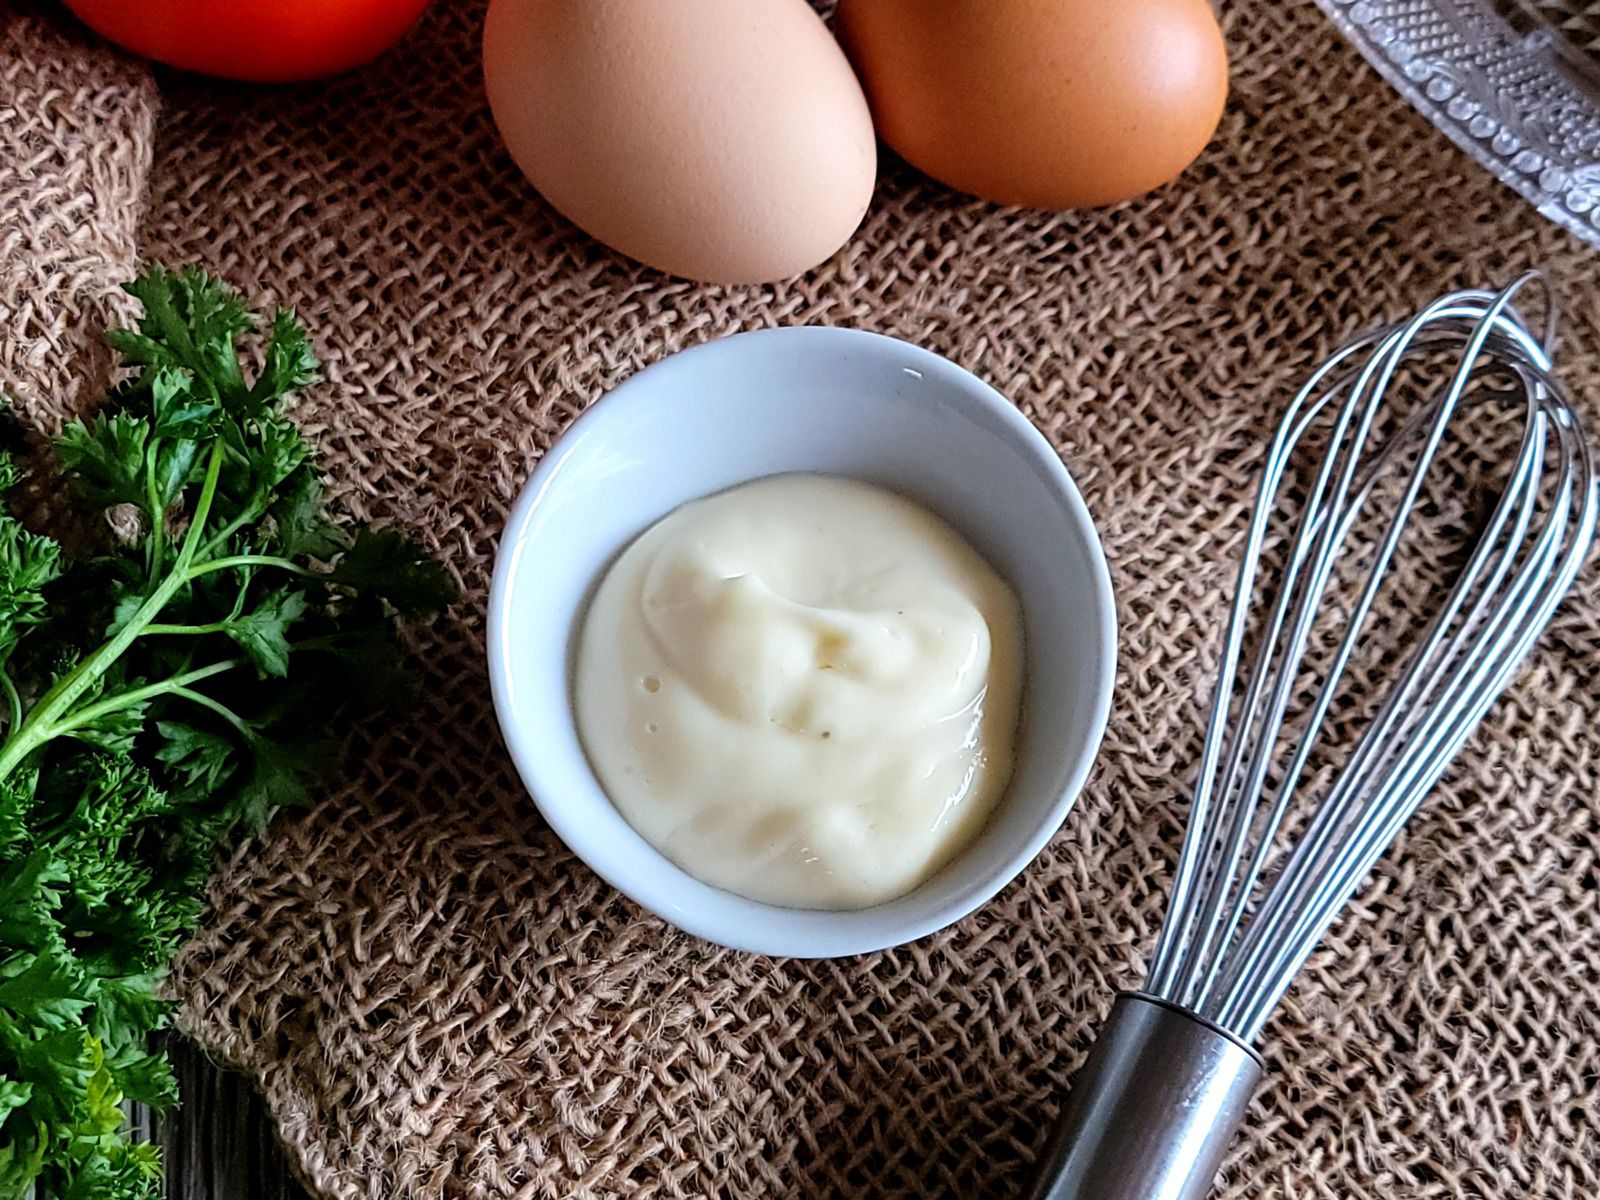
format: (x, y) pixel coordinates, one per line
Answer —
(439, 1001)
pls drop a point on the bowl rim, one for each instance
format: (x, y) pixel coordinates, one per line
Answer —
(834, 933)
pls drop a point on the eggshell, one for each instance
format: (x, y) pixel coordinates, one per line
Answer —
(1046, 103)
(721, 140)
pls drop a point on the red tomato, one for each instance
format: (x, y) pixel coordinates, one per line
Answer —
(267, 41)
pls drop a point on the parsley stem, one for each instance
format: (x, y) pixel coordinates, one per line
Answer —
(14, 700)
(250, 514)
(216, 706)
(91, 713)
(39, 727)
(158, 512)
(251, 560)
(194, 630)
(202, 510)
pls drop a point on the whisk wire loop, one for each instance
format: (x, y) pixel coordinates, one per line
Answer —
(1231, 943)
(1384, 738)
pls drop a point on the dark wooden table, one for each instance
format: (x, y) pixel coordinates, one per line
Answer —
(221, 1145)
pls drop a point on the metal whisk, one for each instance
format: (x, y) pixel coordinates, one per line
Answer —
(1268, 859)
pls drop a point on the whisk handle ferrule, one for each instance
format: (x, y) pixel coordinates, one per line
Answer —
(1152, 1112)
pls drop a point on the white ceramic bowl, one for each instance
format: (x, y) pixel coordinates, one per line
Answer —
(803, 399)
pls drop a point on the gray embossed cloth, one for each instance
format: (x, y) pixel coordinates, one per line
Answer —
(438, 1000)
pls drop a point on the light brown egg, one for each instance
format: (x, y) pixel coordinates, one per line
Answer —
(1046, 103)
(721, 140)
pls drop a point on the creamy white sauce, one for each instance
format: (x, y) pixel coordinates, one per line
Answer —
(804, 690)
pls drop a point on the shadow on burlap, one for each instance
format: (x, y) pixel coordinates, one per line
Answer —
(438, 1000)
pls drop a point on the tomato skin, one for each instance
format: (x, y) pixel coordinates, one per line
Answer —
(262, 41)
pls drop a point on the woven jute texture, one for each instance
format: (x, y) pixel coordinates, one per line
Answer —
(439, 1000)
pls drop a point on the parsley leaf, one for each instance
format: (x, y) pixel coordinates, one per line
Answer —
(105, 457)
(114, 730)
(281, 775)
(175, 409)
(386, 565)
(28, 563)
(13, 1095)
(47, 989)
(194, 757)
(263, 632)
(28, 898)
(301, 529)
(290, 364)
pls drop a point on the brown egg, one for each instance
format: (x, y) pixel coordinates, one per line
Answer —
(723, 140)
(1047, 103)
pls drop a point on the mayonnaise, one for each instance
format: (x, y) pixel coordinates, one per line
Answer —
(804, 690)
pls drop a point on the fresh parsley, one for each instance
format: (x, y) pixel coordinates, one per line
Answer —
(171, 687)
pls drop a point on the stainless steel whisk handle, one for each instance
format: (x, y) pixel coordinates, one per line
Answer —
(1152, 1112)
